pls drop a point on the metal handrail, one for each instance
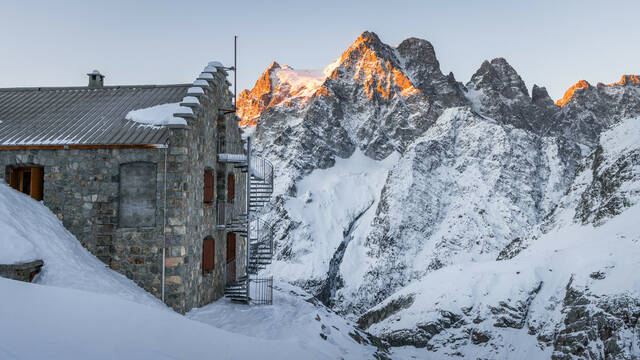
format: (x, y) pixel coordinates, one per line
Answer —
(261, 238)
(231, 147)
(262, 169)
(229, 213)
(261, 290)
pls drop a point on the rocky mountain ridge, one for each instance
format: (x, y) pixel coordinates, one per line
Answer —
(391, 174)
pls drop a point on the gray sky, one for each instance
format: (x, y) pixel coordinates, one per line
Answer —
(550, 43)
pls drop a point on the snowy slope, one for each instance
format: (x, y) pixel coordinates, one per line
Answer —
(575, 290)
(295, 317)
(44, 322)
(328, 204)
(460, 193)
(29, 231)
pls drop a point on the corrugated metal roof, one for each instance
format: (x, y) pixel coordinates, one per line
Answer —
(80, 115)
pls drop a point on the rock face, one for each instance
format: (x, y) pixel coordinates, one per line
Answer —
(587, 110)
(435, 212)
(558, 296)
(497, 91)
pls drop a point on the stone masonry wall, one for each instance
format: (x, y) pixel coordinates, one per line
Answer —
(82, 187)
(191, 151)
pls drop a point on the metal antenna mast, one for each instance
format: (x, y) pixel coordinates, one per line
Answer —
(235, 71)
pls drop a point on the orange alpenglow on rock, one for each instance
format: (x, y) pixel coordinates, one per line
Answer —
(284, 86)
(582, 84)
(627, 80)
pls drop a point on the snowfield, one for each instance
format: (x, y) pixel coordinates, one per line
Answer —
(80, 309)
(295, 317)
(46, 322)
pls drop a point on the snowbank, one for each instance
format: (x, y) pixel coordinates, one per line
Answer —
(41, 322)
(29, 231)
(159, 115)
(293, 319)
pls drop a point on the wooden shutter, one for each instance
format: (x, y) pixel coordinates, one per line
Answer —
(208, 254)
(208, 186)
(37, 178)
(231, 247)
(14, 178)
(231, 188)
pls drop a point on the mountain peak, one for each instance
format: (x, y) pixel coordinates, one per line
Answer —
(540, 96)
(568, 95)
(368, 37)
(498, 75)
(274, 65)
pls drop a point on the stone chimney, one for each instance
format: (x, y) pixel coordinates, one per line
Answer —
(96, 80)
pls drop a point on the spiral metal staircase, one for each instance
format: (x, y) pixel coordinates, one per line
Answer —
(242, 219)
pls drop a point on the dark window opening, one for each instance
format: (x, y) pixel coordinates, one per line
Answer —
(209, 182)
(231, 188)
(208, 254)
(28, 180)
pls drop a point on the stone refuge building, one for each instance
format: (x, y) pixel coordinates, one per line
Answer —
(128, 190)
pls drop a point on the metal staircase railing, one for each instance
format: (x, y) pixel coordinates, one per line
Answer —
(230, 216)
(259, 235)
(261, 181)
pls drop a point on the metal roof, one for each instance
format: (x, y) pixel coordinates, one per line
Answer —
(82, 115)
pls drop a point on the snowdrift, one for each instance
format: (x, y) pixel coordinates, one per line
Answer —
(29, 231)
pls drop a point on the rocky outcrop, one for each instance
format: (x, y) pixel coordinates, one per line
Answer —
(597, 328)
(587, 110)
(496, 90)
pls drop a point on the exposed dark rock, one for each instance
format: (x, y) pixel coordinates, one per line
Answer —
(378, 315)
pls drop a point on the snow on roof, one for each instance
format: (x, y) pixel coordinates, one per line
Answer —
(200, 82)
(210, 69)
(194, 90)
(160, 115)
(206, 75)
(215, 63)
(190, 100)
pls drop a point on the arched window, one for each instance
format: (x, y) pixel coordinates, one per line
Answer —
(208, 254)
(231, 188)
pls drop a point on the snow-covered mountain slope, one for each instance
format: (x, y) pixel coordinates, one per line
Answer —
(467, 173)
(29, 231)
(575, 291)
(460, 193)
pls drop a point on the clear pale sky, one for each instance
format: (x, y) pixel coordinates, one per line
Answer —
(550, 43)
